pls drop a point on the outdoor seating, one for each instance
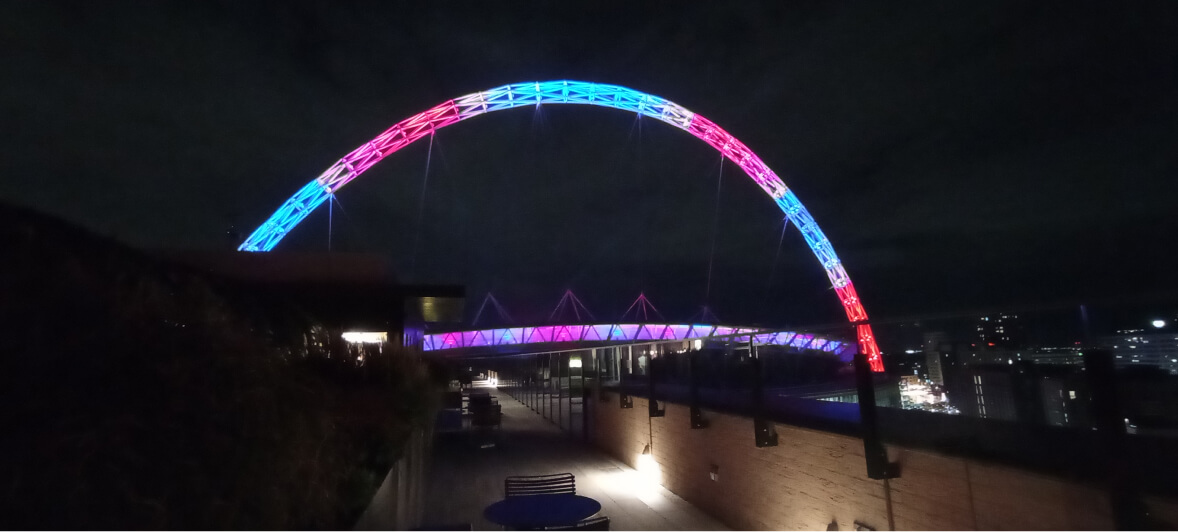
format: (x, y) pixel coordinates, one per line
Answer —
(516, 486)
(486, 416)
(479, 400)
(449, 419)
(452, 399)
(544, 511)
(595, 523)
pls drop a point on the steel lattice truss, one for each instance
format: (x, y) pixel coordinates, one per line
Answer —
(630, 332)
(417, 126)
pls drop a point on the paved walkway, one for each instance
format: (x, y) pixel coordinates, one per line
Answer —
(466, 475)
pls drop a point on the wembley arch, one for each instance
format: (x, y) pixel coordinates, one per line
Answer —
(405, 132)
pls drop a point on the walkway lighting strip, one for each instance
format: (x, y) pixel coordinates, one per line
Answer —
(405, 132)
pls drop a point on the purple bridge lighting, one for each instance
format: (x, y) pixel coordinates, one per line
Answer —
(631, 332)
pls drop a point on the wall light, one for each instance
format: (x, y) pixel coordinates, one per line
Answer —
(358, 337)
(575, 362)
(648, 469)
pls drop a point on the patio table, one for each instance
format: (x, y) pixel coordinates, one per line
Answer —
(539, 511)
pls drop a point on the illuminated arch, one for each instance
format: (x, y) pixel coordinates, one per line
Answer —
(405, 132)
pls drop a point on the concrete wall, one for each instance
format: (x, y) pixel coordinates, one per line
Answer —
(398, 503)
(814, 478)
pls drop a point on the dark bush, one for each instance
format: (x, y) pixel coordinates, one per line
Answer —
(134, 396)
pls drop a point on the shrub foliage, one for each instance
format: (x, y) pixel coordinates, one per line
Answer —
(136, 396)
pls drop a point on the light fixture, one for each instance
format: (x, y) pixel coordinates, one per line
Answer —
(359, 337)
(1158, 324)
(648, 469)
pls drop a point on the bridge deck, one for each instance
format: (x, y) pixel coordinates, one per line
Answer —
(464, 478)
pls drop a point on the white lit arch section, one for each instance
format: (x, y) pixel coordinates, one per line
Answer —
(405, 132)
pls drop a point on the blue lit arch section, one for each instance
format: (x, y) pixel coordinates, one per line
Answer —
(405, 132)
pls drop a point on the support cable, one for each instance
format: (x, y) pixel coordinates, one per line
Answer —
(776, 256)
(715, 229)
(330, 217)
(421, 208)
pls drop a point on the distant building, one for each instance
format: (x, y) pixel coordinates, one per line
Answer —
(1000, 330)
(936, 348)
(986, 391)
(1137, 348)
(909, 365)
(1058, 356)
(1024, 392)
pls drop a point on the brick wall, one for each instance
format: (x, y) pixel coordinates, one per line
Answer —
(814, 478)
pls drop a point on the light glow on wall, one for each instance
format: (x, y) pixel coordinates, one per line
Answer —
(649, 472)
(411, 129)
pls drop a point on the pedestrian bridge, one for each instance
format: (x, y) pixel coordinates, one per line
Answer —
(545, 337)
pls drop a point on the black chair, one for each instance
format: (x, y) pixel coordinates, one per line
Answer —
(516, 486)
(486, 416)
(479, 400)
(452, 400)
(593, 523)
(449, 419)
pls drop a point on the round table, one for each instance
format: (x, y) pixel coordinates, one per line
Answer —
(539, 511)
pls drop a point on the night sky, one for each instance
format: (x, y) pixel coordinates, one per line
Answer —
(959, 155)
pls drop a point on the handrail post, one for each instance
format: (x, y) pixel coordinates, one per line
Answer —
(697, 418)
(878, 466)
(764, 432)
